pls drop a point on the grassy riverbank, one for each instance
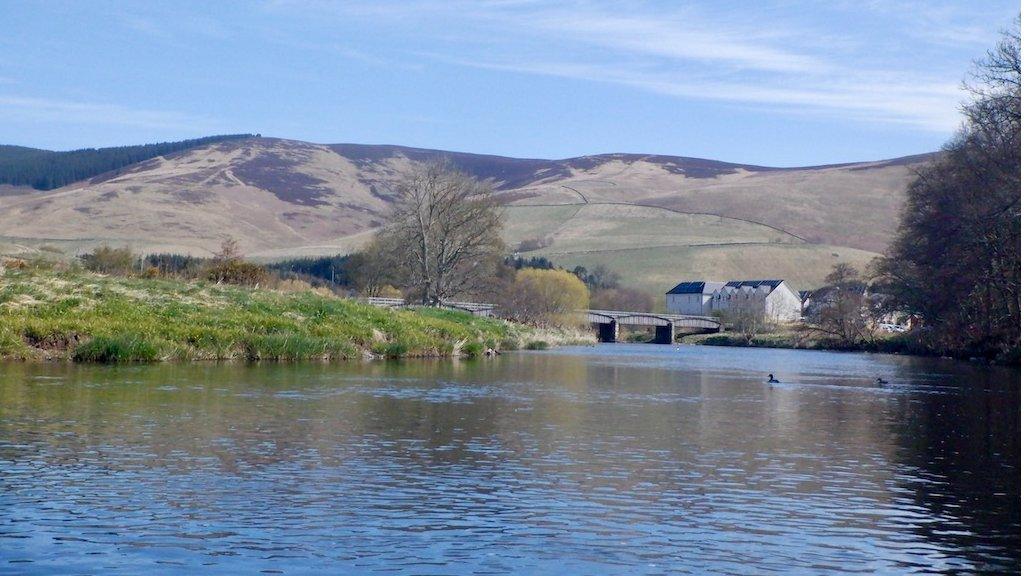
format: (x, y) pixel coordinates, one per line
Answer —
(802, 340)
(87, 317)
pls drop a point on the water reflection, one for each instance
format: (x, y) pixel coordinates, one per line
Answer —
(624, 458)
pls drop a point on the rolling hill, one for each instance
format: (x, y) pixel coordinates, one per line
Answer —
(655, 219)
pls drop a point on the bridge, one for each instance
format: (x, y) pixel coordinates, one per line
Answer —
(606, 321)
(665, 325)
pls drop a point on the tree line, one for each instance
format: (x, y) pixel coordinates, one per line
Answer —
(953, 269)
(955, 263)
(46, 169)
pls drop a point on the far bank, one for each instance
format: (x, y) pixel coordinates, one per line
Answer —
(796, 339)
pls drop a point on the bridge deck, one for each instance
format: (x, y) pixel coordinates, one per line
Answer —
(624, 318)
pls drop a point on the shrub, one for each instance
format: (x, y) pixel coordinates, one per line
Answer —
(622, 299)
(109, 260)
(237, 272)
(547, 297)
(536, 345)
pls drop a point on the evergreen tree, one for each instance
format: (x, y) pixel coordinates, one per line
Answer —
(46, 170)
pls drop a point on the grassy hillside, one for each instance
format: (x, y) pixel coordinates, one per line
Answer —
(89, 317)
(656, 270)
(852, 205)
(284, 197)
(653, 249)
(588, 227)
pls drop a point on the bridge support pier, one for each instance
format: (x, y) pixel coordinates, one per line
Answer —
(665, 334)
(608, 332)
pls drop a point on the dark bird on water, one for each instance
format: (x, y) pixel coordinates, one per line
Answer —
(880, 381)
(772, 380)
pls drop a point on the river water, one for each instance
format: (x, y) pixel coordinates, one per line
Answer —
(615, 459)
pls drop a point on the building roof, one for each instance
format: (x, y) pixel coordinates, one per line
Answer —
(700, 287)
(773, 284)
(687, 288)
(697, 287)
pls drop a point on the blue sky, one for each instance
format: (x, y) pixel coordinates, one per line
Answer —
(782, 83)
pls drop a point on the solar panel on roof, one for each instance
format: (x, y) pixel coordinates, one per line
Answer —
(753, 283)
(697, 287)
(687, 288)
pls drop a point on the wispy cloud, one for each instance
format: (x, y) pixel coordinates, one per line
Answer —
(148, 20)
(72, 112)
(933, 21)
(774, 59)
(930, 106)
(684, 38)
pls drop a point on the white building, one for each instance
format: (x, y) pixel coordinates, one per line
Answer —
(778, 302)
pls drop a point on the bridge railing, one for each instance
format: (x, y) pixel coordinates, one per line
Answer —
(474, 308)
(385, 302)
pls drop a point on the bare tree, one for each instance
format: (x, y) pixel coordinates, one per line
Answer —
(841, 309)
(747, 320)
(446, 228)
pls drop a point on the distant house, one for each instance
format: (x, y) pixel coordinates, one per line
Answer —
(806, 298)
(873, 306)
(704, 298)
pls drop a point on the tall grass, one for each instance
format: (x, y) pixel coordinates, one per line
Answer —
(117, 349)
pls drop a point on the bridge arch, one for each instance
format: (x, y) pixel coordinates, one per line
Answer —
(665, 325)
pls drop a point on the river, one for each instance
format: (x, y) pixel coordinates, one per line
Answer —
(614, 459)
